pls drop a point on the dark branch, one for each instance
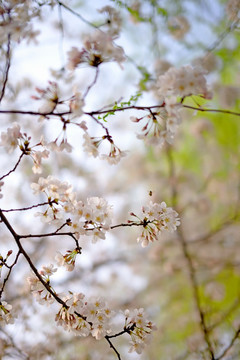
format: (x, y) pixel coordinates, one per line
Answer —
(8, 63)
(18, 162)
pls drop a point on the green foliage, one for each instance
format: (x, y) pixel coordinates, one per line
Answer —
(122, 104)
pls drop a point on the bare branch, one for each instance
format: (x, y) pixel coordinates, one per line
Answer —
(76, 14)
(8, 64)
(229, 346)
(9, 273)
(18, 162)
(92, 84)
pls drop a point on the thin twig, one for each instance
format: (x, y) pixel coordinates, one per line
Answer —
(222, 36)
(24, 253)
(222, 111)
(113, 347)
(76, 14)
(229, 346)
(234, 307)
(61, 51)
(29, 207)
(8, 64)
(92, 84)
(195, 292)
(9, 273)
(191, 269)
(18, 162)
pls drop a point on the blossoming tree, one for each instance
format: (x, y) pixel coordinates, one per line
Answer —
(130, 134)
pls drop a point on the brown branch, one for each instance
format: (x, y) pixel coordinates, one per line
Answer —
(24, 253)
(195, 293)
(92, 83)
(222, 111)
(210, 234)
(113, 347)
(190, 266)
(30, 207)
(229, 346)
(18, 162)
(234, 307)
(100, 111)
(8, 64)
(34, 113)
(9, 273)
(222, 36)
(76, 14)
(172, 175)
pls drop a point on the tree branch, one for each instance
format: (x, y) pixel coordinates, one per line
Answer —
(229, 346)
(8, 64)
(18, 162)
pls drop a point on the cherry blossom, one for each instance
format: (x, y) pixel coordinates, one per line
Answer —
(6, 314)
(157, 218)
(10, 138)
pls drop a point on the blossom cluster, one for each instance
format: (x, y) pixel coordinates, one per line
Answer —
(182, 82)
(51, 98)
(162, 124)
(16, 19)
(89, 317)
(139, 328)
(38, 289)
(90, 217)
(85, 317)
(158, 218)
(13, 138)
